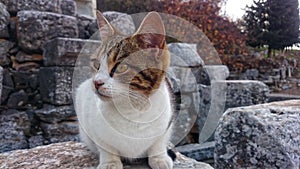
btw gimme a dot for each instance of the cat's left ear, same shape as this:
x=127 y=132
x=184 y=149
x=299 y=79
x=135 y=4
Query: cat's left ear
x=105 y=29
x=152 y=31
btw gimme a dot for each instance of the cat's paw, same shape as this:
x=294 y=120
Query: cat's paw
x=111 y=165
x=160 y=162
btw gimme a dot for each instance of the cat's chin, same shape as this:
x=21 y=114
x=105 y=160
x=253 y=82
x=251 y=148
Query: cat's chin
x=103 y=97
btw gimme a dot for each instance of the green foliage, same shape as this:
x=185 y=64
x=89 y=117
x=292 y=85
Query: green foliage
x=274 y=23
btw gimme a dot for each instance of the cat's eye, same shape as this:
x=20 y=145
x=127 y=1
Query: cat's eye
x=121 y=68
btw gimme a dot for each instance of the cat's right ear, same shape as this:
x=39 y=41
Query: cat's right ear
x=105 y=29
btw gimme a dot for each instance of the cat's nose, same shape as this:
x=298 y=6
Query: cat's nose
x=98 y=84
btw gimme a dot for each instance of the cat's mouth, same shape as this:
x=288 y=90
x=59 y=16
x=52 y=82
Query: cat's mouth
x=103 y=94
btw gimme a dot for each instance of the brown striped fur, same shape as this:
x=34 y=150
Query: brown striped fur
x=145 y=54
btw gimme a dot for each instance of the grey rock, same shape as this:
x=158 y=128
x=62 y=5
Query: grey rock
x=5 y=46
x=46 y=26
x=184 y=55
x=7 y=85
x=65 y=51
x=4 y=21
x=86 y=7
x=260 y=136
x=250 y=74
x=26 y=80
x=87 y=26
x=245 y=93
x=35 y=141
x=14 y=126
x=217 y=72
x=224 y=94
x=59 y=129
x=67 y=7
x=121 y=21
x=199 y=152
x=17 y=99
x=1 y=80
x=56 y=85
x=74 y=155
x=55 y=114
x=187 y=80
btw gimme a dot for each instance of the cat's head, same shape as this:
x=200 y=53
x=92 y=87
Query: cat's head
x=135 y=64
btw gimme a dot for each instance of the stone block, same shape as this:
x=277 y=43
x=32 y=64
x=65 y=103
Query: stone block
x=217 y=72
x=14 y=126
x=224 y=94
x=121 y=21
x=187 y=80
x=245 y=93
x=55 y=114
x=67 y=7
x=77 y=156
x=86 y=7
x=24 y=57
x=199 y=152
x=5 y=46
x=17 y=99
x=46 y=26
x=65 y=51
x=1 y=80
x=4 y=21
x=87 y=26
x=260 y=136
x=59 y=129
x=56 y=85
x=184 y=55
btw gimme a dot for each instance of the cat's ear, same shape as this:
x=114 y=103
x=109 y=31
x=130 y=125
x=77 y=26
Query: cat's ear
x=105 y=29
x=152 y=30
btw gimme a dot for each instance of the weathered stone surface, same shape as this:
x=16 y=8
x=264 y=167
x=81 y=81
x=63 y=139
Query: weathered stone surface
x=59 y=132
x=27 y=66
x=17 y=99
x=65 y=51
x=87 y=7
x=260 y=136
x=4 y=21
x=24 y=57
x=184 y=55
x=74 y=155
x=1 y=80
x=224 y=94
x=27 y=80
x=87 y=26
x=244 y=93
x=123 y=22
x=250 y=74
x=5 y=45
x=7 y=85
x=14 y=126
x=185 y=77
x=46 y=26
x=67 y=7
x=35 y=141
x=56 y=85
x=199 y=152
x=217 y=72
x=54 y=114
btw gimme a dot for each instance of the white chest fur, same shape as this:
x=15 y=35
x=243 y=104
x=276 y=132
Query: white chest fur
x=118 y=126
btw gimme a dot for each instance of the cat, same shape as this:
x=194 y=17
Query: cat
x=125 y=109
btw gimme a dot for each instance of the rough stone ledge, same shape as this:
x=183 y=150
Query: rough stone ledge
x=259 y=136
x=73 y=155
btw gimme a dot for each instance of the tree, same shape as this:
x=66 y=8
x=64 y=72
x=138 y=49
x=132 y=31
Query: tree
x=274 y=23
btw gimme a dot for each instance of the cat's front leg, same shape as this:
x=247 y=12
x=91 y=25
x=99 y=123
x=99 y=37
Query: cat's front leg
x=158 y=157
x=109 y=160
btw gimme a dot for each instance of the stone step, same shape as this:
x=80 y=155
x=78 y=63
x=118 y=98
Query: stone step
x=65 y=51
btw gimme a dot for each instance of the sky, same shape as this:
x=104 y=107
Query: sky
x=234 y=8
